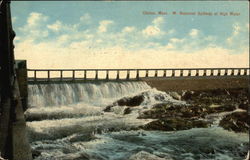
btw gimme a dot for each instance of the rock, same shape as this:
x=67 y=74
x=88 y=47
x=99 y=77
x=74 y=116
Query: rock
x=126 y=101
x=108 y=108
x=127 y=111
x=182 y=111
x=237 y=92
x=162 y=105
x=159 y=97
x=237 y=121
x=173 y=124
x=171 y=116
x=244 y=105
x=175 y=95
x=131 y=101
x=35 y=153
x=217 y=96
x=187 y=95
x=221 y=108
x=81 y=137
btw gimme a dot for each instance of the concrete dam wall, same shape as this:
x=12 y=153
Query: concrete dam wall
x=198 y=83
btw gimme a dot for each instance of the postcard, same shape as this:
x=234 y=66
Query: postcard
x=127 y=80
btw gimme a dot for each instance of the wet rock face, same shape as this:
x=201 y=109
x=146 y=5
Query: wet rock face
x=108 y=108
x=218 y=96
x=175 y=117
x=131 y=101
x=171 y=117
x=175 y=95
x=126 y=101
x=244 y=105
x=173 y=124
x=237 y=121
x=188 y=95
x=127 y=111
x=169 y=110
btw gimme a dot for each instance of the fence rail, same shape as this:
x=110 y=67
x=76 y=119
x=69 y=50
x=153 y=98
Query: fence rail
x=50 y=74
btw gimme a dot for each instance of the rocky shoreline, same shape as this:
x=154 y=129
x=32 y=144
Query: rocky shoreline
x=230 y=106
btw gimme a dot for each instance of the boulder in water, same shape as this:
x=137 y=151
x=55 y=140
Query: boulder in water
x=236 y=121
x=127 y=111
x=175 y=95
x=81 y=137
x=163 y=110
x=126 y=101
x=108 y=108
x=200 y=103
x=244 y=105
x=187 y=95
x=131 y=101
x=173 y=124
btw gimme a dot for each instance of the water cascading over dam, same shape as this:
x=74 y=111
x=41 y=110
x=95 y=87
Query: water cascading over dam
x=83 y=104
x=67 y=121
x=66 y=94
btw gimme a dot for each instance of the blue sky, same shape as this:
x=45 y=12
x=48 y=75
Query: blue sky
x=105 y=32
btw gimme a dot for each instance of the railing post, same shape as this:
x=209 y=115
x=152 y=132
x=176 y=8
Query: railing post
x=118 y=75
x=35 y=75
x=226 y=72
x=137 y=74
x=48 y=75
x=164 y=73
x=85 y=74
x=197 y=73
x=245 y=72
x=107 y=74
x=212 y=72
x=204 y=72
x=96 y=74
x=146 y=73
x=181 y=73
x=128 y=74
x=73 y=75
x=232 y=72
x=61 y=75
x=173 y=72
x=239 y=70
x=219 y=72
x=156 y=73
x=189 y=72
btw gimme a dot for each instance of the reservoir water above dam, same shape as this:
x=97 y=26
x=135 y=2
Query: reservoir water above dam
x=119 y=121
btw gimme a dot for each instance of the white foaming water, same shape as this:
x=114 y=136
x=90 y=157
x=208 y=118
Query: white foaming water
x=57 y=101
x=67 y=122
x=45 y=95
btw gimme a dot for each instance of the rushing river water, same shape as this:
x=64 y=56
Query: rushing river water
x=67 y=122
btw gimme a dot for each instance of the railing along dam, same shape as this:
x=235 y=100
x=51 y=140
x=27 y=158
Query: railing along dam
x=71 y=75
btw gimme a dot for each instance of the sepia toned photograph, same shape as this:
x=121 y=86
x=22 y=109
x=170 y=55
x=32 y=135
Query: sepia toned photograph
x=124 y=80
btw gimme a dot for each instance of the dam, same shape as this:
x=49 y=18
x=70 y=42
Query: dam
x=162 y=79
